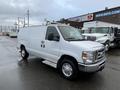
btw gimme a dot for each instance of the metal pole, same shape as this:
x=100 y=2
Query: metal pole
x=24 y=22
x=1 y=28
x=18 y=22
x=28 y=14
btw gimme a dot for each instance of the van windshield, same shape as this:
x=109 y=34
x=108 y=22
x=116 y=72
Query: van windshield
x=97 y=30
x=70 y=34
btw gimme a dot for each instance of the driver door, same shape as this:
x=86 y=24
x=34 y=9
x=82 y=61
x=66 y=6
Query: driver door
x=51 y=49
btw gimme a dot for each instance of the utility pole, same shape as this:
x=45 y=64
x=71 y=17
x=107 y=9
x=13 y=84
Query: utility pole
x=1 y=28
x=18 y=22
x=15 y=25
x=28 y=14
x=24 y=22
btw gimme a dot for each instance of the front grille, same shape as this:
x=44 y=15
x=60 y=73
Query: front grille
x=92 y=38
x=100 y=55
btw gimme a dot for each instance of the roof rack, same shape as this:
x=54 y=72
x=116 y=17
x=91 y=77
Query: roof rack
x=49 y=23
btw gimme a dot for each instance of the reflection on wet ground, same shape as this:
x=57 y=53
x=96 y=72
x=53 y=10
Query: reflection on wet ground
x=32 y=74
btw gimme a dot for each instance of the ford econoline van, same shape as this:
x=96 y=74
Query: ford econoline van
x=62 y=47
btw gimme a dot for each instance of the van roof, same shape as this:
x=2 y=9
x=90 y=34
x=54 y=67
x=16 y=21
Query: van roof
x=52 y=24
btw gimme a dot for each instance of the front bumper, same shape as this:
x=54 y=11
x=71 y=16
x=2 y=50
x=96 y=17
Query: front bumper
x=92 y=67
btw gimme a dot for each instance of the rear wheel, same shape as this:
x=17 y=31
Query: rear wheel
x=68 y=69
x=24 y=53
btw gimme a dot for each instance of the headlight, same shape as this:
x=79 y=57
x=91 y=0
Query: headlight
x=88 y=57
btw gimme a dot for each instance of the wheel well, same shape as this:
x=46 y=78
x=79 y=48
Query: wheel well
x=21 y=46
x=107 y=40
x=68 y=57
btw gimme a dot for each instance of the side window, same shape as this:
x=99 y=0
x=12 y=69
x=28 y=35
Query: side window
x=111 y=30
x=118 y=31
x=51 y=30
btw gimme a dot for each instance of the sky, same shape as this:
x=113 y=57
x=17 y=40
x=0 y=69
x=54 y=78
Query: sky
x=40 y=10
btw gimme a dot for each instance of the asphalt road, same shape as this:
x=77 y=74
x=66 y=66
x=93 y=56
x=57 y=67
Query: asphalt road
x=34 y=75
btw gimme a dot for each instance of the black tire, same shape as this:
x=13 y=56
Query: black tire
x=117 y=43
x=107 y=45
x=24 y=53
x=70 y=63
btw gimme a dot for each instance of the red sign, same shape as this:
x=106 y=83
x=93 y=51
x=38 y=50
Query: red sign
x=90 y=17
x=87 y=17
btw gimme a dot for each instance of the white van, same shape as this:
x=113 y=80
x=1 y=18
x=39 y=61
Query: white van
x=62 y=47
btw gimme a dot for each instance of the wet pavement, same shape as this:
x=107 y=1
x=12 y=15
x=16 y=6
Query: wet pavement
x=34 y=75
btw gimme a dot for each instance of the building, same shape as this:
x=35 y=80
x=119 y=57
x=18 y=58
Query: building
x=111 y=15
x=108 y=15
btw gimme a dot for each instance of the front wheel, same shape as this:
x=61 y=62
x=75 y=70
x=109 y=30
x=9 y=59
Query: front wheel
x=68 y=69
x=107 y=45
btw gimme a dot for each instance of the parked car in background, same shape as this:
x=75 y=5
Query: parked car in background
x=62 y=47
x=12 y=34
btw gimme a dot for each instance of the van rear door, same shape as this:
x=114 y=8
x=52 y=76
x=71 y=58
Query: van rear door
x=36 y=38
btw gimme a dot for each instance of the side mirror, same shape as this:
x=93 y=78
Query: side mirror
x=105 y=35
x=52 y=37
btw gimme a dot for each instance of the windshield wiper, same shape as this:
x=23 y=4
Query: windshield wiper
x=70 y=38
x=73 y=39
x=80 y=39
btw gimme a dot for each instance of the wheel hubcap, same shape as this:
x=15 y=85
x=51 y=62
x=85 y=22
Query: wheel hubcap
x=22 y=53
x=67 y=69
x=106 y=47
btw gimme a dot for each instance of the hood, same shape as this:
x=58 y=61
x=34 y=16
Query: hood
x=95 y=34
x=87 y=45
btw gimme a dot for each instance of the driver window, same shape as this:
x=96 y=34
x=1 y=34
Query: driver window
x=51 y=30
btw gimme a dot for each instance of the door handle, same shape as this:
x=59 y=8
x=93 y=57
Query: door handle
x=43 y=46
